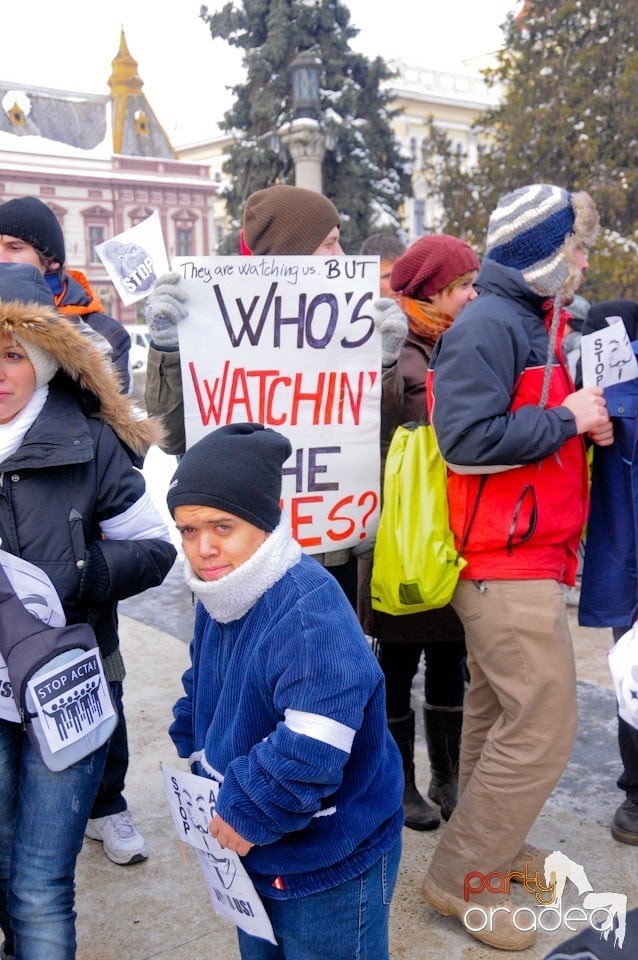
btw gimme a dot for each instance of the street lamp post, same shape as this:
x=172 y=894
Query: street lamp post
x=303 y=135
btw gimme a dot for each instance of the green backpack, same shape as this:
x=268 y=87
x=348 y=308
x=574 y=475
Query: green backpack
x=416 y=565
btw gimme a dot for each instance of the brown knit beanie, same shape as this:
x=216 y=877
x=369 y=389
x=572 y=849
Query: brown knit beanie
x=288 y=220
x=430 y=264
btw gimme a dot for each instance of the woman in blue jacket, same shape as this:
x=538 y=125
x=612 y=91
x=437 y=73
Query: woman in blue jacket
x=72 y=504
x=285 y=707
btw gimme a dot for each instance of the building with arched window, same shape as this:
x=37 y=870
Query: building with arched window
x=103 y=163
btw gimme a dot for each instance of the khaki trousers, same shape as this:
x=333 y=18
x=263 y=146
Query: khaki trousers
x=519 y=722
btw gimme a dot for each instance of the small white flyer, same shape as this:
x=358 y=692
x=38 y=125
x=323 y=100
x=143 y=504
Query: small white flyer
x=607 y=356
x=135 y=258
x=192 y=802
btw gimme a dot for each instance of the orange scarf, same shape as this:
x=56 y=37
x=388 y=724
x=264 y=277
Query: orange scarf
x=424 y=319
x=75 y=309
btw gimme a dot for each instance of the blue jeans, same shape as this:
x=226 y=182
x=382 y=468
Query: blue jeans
x=349 y=922
x=42 y=819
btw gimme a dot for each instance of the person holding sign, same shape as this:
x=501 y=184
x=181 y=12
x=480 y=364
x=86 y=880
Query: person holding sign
x=609 y=589
x=279 y=220
x=510 y=427
x=284 y=707
x=73 y=505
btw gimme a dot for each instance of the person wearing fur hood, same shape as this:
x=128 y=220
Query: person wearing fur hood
x=73 y=504
x=284 y=706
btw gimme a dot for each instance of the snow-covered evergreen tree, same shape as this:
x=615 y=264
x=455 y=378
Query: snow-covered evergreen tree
x=569 y=75
x=363 y=171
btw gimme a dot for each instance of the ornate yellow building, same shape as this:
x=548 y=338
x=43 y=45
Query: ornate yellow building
x=103 y=163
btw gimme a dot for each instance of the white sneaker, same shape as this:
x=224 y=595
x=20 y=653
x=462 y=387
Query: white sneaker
x=123 y=844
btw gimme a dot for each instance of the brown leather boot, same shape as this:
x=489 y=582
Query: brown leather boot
x=497 y=928
x=419 y=815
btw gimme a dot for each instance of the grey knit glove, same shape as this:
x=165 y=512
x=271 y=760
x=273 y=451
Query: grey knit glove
x=390 y=321
x=164 y=309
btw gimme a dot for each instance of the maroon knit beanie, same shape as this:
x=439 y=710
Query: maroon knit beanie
x=430 y=264
x=288 y=220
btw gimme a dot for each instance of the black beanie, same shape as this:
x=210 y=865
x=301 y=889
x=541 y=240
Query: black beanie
x=288 y=220
x=28 y=219
x=235 y=468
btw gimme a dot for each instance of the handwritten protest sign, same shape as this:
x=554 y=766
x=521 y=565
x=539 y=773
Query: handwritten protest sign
x=608 y=356
x=289 y=342
x=192 y=801
x=135 y=258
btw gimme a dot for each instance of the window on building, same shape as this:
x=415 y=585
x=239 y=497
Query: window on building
x=184 y=241
x=97 y=235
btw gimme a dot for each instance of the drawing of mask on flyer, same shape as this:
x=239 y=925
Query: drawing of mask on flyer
x=135 y=258
x=133 y=264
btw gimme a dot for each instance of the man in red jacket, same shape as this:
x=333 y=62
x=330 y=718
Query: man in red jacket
x=510 y=425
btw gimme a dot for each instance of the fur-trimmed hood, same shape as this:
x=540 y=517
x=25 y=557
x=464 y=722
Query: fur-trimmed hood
x=38 y=323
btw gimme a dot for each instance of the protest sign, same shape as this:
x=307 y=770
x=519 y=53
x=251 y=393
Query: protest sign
x=607 y=356
x=289 y=342
x=192 y=801
x=135 y=258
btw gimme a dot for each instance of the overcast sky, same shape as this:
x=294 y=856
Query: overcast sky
x=69 y=45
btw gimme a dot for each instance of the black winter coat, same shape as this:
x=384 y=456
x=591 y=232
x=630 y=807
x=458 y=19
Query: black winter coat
x=70 y=474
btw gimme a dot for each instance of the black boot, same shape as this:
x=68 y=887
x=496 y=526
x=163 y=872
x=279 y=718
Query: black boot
x=419 y=815
x=443 y=737
x=624 y=827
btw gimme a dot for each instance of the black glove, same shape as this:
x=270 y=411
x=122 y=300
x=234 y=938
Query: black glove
x=95 y=582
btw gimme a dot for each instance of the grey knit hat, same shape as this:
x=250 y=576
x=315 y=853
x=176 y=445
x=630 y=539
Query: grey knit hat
x=529 y=228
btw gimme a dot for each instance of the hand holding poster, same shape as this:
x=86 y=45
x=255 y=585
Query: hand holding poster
x=607 y=356
x=135 y=259
x=289 y=342
x=192 y=802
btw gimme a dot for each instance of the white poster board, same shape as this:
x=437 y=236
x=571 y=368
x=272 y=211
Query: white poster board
x=135 y=258
x=289 y=342
x=607 y=356
x=192 y=801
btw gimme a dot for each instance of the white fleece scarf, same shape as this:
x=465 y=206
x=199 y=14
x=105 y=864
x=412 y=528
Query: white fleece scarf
x=13 y=433
x=232 y=596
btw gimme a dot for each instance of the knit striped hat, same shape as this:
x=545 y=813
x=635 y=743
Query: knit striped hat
x=528 y=230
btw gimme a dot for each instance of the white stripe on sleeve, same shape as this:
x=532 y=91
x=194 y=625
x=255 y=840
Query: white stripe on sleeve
x=328 y=731
x=142 y=521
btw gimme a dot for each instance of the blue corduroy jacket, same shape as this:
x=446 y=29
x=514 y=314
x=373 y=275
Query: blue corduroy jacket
x=319 y=814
